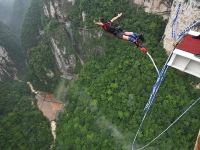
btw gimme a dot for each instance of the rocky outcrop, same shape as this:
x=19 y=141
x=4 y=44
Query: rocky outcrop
x=57 y=8
x=189 y=13
x=162 y=7
x=11 y=55
x=66 y=66
x=64 y=56
x=46 y=12
x=7 y=70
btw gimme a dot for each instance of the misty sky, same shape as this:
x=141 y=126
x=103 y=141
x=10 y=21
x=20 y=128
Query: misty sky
x=5 y=10
x=7 y=2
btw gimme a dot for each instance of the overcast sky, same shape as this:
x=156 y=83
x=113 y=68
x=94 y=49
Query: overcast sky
x=5 y=10
x=6 y=1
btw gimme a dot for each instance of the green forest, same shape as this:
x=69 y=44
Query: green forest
x=22 y=126
x=104 y=102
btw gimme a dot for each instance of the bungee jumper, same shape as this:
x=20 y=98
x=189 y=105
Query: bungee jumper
x=118 y=32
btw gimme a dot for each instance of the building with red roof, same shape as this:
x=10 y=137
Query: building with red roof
x=186 y=56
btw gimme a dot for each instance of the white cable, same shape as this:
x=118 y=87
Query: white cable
x=170 y=124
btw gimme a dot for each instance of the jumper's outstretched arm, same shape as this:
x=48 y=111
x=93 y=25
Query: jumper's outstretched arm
x=98 y=23
x=116 y=17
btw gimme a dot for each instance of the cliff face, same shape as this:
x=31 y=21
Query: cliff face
x=62 y=40
x=11 y=55
x=7 y=69
x=189 y=13
x=161 y=7
x=68 y=43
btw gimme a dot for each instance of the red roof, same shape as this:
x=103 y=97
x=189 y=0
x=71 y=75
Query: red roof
x=189 y=44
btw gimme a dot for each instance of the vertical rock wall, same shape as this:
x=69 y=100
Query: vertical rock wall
x=162 y=7
x=61 y=44
x=6 y=66
x=189 y=13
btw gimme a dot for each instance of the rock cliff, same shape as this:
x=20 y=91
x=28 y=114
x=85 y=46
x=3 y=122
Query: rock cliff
x=7 y=69
x=189 y=13
x=62 y=47
x=161 y=7
x=11 y=55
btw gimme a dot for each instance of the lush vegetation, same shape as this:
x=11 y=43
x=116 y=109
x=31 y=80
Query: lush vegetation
x=12 y=14
x=105 y=104
x=22 y=126
x=30 y=35
x=42 y=69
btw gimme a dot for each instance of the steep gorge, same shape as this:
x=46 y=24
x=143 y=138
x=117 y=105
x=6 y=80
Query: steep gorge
x=105 y=78
x=11 y=54
x=110 y=88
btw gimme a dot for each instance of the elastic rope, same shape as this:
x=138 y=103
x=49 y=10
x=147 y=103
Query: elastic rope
x=158 y=83
x=161 y=77
x=170 y=124
x=153 y=94
x=153 y=63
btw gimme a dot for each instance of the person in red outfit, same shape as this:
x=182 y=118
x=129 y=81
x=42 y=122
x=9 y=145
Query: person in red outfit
x=118 y=32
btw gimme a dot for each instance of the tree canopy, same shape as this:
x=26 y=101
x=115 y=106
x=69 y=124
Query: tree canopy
x=22 y=126
x=106 y=103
